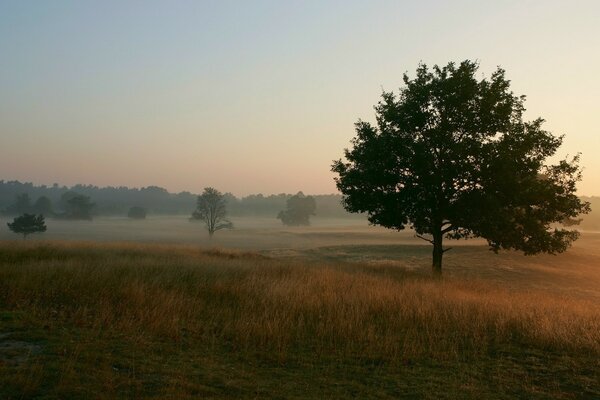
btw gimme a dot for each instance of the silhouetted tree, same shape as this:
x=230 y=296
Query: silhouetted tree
x=137 y=212
x=27 y=224
x=211 y=209
x=77 y=206
x=452 y=157
x=298 y=210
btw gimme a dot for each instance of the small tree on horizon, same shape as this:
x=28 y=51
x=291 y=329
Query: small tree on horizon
x=77 y=206
x=27 y=224
x=211 y=209
x=137 y=212
x=298 y=210
x=452 y=157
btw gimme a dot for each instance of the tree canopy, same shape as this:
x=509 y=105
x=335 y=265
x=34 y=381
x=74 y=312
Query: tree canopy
x=211 y=208
x=451 y=156
x=27 y=224
x=298 y=210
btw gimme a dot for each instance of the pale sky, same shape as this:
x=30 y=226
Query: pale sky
x=261 y=96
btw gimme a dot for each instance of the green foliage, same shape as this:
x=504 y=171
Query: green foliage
x=137 y=212
x=298 y=210
x=452 y=157
x=27 y=224
x=211 y=209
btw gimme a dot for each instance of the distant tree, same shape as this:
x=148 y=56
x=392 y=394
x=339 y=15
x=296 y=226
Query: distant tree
x=452 y=157
x=298 y=210
x=43 y=206
x=117 y=200
x=77 y=206
x=211 y=209
x=23 y=203
x=27 y=224
x=137 y=212
x=65 y=197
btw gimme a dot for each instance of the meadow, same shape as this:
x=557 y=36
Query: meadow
x=336 y=310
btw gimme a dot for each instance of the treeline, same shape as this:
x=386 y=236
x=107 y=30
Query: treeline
x=18 y=197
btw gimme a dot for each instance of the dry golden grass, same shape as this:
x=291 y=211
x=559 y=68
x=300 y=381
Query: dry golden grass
x=255 y=303
x=109 y=316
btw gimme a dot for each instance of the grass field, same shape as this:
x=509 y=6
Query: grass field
x=251 y=233
x=333 y=311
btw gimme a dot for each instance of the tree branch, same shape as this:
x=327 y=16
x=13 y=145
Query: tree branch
x=448 y=229
x=448 y=249
x=425 y=239
x=224 y=225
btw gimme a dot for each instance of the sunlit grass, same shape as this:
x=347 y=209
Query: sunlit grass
x=254 y=307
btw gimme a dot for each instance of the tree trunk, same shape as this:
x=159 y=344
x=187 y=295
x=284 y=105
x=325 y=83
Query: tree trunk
x=438 y=253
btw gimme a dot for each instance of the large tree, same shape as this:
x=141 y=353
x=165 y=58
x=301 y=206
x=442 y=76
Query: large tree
x=451 y=156
x=211 y=208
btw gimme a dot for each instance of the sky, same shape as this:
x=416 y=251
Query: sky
x=261 y=96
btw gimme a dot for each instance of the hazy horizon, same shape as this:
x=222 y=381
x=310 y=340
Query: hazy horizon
x=61 y=185
x=261 y=97
x=238 y=195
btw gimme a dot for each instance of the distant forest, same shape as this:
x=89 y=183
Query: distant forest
x=117 y=201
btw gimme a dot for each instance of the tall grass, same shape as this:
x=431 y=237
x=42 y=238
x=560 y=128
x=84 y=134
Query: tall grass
x=252 y=303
